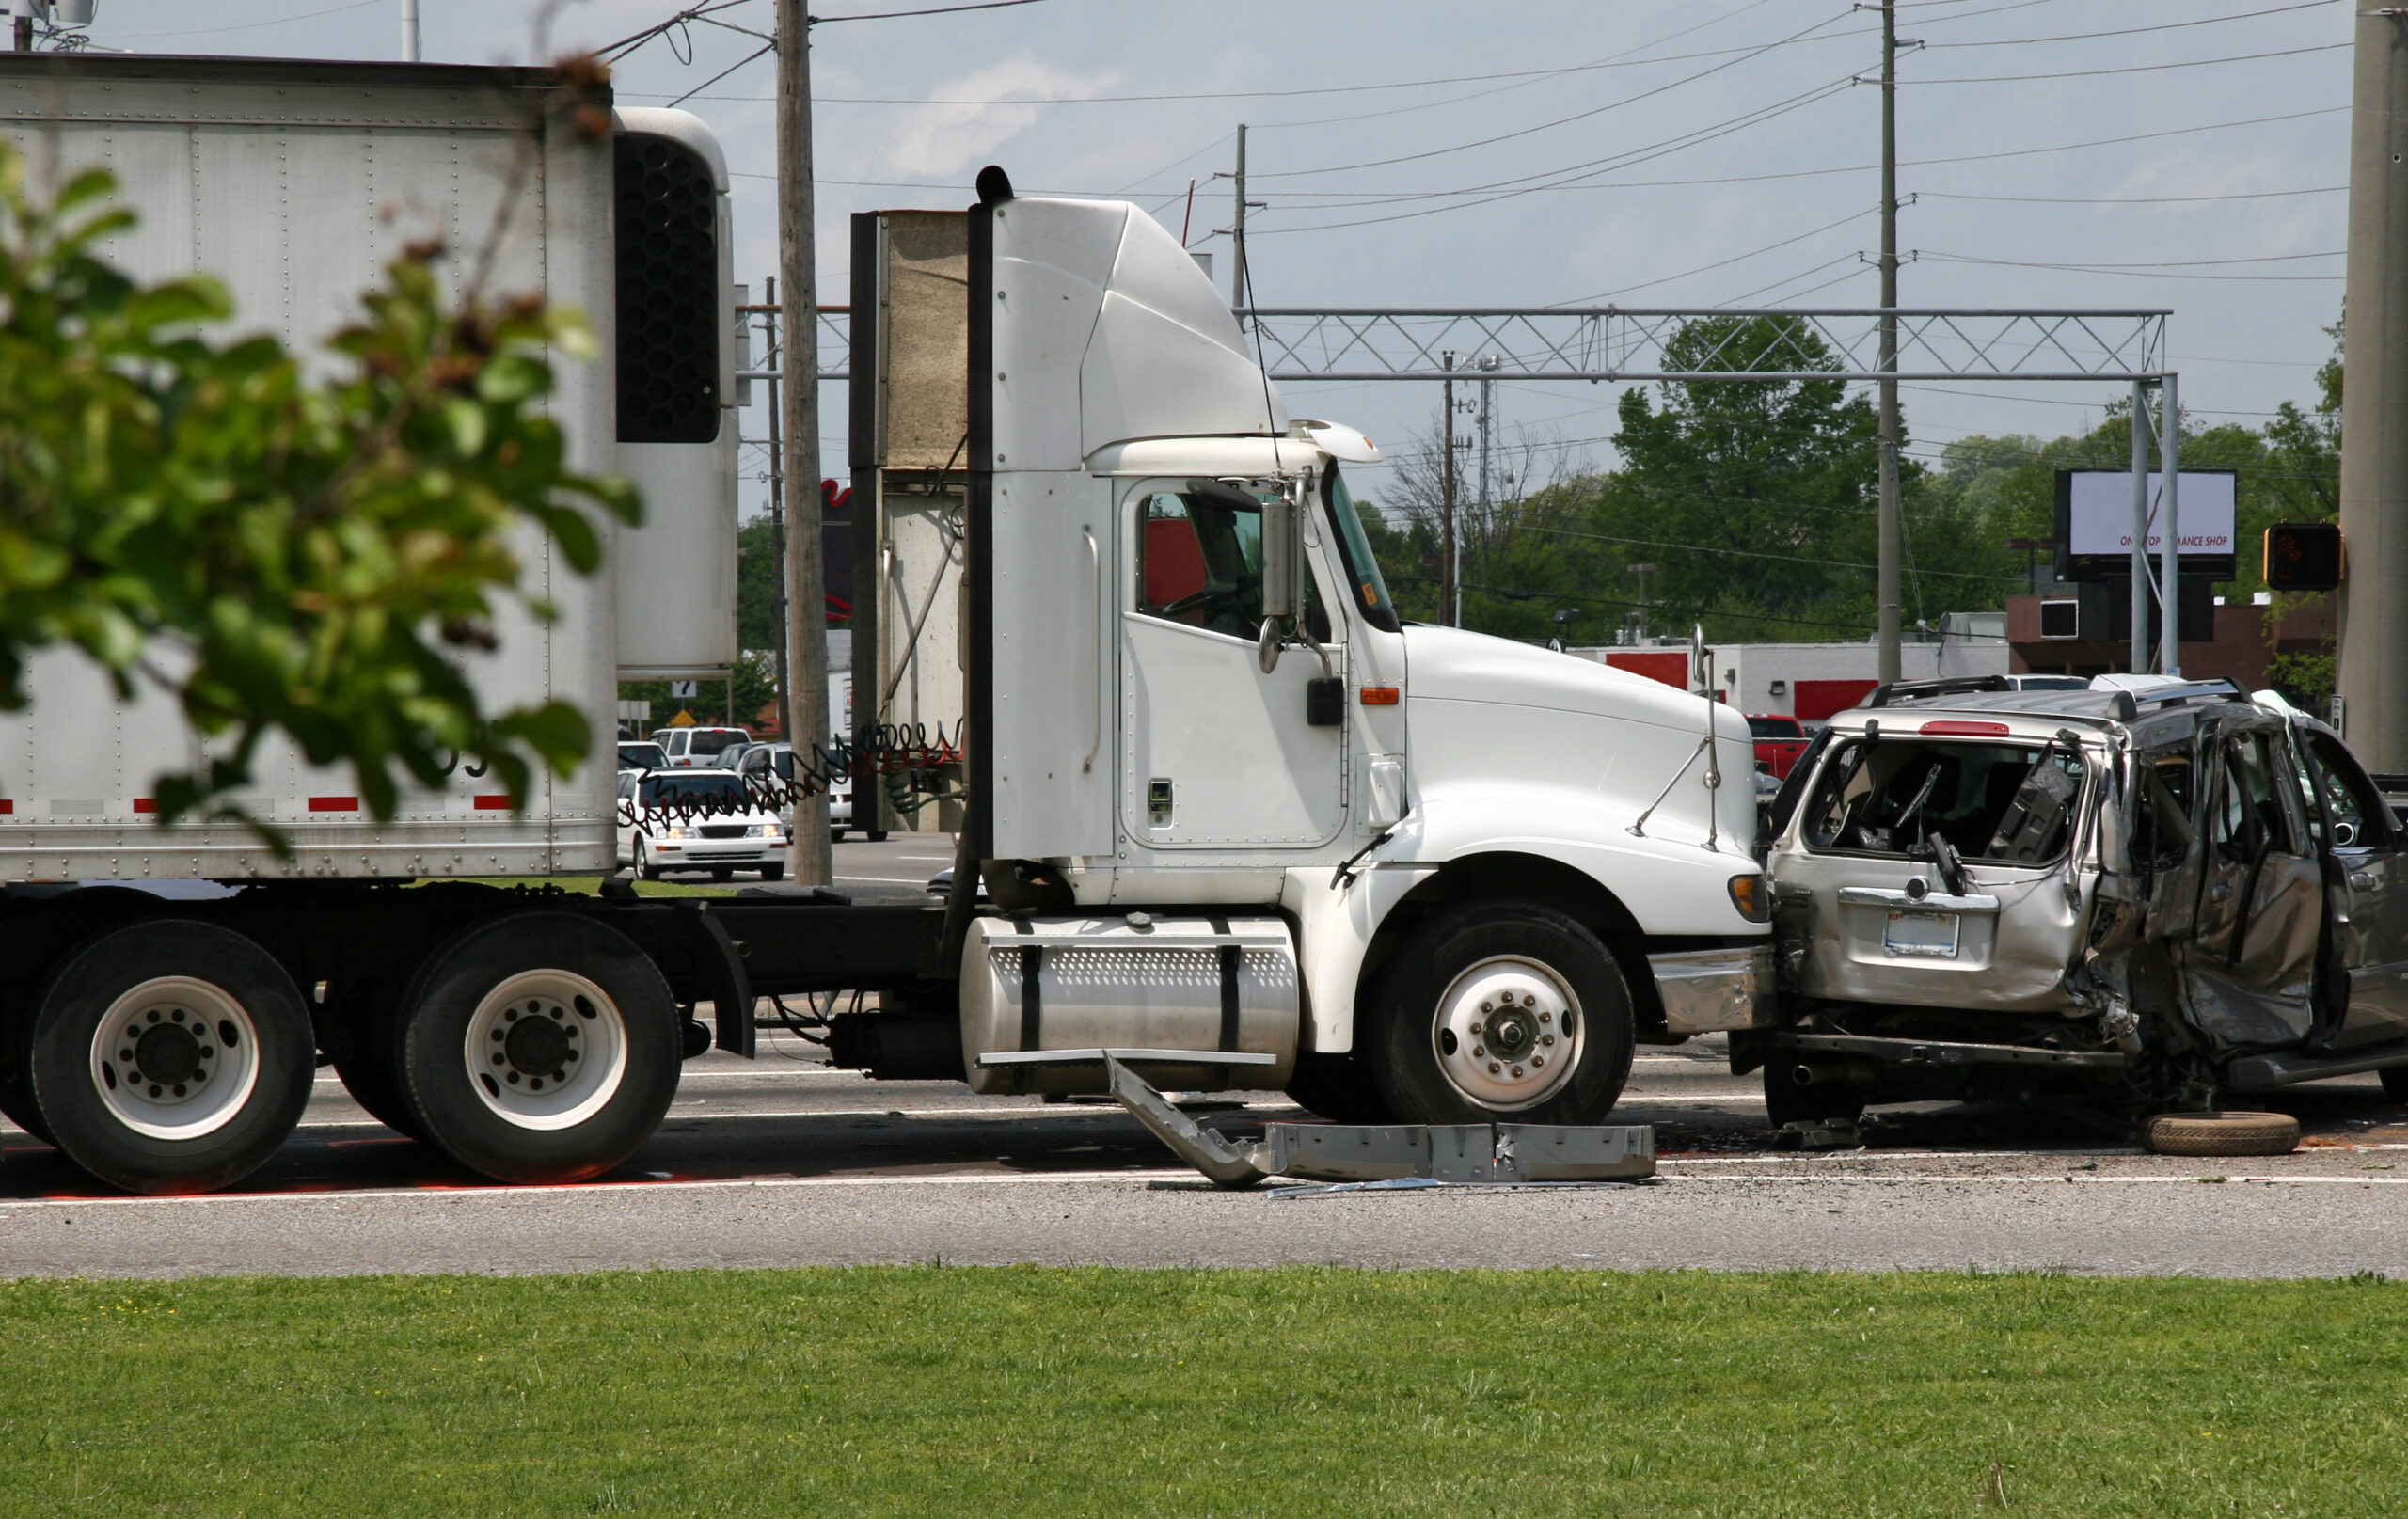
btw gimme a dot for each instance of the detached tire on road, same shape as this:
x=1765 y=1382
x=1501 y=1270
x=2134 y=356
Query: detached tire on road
x=1500 y=1010
x=539 y=1048
x=170 y=1057
x=2222 y=1134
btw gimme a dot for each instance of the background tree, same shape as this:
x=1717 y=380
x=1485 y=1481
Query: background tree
x=318 y=561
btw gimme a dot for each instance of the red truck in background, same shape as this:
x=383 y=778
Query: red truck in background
x=1779 y=742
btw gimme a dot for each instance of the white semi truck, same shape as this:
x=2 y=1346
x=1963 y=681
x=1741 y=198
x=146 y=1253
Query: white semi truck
x=1241 y=825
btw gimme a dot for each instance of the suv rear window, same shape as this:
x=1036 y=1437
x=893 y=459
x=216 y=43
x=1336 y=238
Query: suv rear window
x=711 y=740
x=2009 y=803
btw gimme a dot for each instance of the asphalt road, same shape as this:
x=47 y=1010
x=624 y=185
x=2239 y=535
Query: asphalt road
x=788 y=1162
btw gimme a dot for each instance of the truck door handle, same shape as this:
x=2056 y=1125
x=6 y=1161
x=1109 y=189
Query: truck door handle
x=2219 y=891
x=2361 y=882
x=1095 y=709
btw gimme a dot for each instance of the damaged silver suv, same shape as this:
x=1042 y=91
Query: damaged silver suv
x=2143 y=897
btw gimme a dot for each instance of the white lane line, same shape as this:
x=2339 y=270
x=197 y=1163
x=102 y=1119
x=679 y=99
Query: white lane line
x=2038 y=1179
x=952 y=1180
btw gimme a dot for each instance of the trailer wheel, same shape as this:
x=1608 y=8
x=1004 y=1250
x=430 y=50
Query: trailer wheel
x=1497 y=1009
x=16 y=1076
x=370 y=1059
x=170 y=1057
x=539 y=1048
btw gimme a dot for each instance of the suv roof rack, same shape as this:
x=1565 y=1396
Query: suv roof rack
x=2220 y=687
x=1916 y=690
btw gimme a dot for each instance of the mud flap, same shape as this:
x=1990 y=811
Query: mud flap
x=723 y=973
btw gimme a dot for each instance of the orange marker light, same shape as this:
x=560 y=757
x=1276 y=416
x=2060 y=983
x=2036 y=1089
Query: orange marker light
x=1381 y=696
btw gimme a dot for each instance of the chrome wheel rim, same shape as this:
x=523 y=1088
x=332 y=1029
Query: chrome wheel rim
x=545 y=1049
x=1508 y=1033
x=175 y=1058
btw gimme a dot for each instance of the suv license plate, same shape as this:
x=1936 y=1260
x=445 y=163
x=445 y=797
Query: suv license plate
x=1930 y=935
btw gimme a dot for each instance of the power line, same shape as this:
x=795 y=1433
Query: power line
x=939 y=10
x=2133 y=199
x=251 y=25
x=1545 y=126
x=2134 y=68
x=1737 y=258
x=2139 y=271
x=2132 y=31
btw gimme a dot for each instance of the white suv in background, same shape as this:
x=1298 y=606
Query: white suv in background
x=690 y=747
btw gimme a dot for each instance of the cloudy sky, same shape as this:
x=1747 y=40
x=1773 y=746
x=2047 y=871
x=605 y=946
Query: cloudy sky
x=1691 y=153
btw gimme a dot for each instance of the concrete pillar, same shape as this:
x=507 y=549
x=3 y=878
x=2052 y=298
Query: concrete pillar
x=2374 y=411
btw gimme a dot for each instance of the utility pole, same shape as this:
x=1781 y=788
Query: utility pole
x=1449 y=595
x=21 y=12
x=809 y=857
x=777 y=509
x=1237 y=231
x=2169 y=560
x=2373 y=685
x=409 y=31
x=1486 y=518
x=1891 y=528
x=2140 y=528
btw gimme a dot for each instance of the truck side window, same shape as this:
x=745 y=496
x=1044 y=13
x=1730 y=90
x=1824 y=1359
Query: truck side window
x=2358 y=820
x=1199 y=561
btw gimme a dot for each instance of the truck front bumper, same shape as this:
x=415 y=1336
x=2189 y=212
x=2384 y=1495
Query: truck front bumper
x=1709 y=990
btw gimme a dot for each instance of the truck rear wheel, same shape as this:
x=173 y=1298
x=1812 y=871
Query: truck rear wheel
x=170 y=1057
x=539 y=1048
x=1501 y=1010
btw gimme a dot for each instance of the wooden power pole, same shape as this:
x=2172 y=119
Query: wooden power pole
x=810 y=856
x=1892 y=525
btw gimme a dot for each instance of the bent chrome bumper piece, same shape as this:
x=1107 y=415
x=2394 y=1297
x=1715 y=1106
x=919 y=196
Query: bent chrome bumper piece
x=1707 y=990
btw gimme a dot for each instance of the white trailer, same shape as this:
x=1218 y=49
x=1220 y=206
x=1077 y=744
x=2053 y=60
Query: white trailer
x=1241 y=825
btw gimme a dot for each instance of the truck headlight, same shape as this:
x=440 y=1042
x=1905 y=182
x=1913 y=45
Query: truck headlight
x=1753 y=896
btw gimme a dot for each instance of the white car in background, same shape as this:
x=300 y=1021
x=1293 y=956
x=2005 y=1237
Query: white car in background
x=759 y=759
x=696 y=820
x=642 y=755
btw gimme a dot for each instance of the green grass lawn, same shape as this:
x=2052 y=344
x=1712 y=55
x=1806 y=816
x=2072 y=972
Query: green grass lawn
x=995 y=1392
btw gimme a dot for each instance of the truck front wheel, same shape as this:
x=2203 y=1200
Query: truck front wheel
x=1501 y=1010
x=170 y=1057
x=539 y=1048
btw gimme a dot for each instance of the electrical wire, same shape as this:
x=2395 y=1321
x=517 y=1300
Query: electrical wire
x=758 y=53
x=1546 y=126
x=939 y=10
x=2142 y=271
x=2134 y=31
x=2131 y=199
x=1737 y=258
x=253 y=26
x=2134 y=68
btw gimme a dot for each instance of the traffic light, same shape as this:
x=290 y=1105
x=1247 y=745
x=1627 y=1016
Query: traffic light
x=2302 y=556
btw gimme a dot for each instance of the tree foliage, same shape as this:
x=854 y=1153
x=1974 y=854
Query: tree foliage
x=284 y=557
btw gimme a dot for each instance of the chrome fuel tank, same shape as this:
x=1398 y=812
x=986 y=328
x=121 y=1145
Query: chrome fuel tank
x=1179 y=987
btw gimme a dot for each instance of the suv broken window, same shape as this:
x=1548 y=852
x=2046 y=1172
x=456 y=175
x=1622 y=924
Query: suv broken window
x=2008 y=803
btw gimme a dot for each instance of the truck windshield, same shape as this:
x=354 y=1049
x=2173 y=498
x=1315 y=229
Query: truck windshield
x=2009 y=803
x=1355 y=547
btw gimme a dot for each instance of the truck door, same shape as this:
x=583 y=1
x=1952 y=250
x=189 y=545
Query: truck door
x=1217 y=754
x=2249 y=961
x=2371 y=896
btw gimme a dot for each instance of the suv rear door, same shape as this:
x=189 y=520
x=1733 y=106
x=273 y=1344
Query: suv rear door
x=1864 y=906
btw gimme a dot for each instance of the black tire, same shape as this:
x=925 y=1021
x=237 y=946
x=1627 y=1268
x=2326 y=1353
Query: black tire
x=1340 y=1088
x=2394 y=1082
x=2221 y=1133
x=773 y=872
x=16 y=1072
x=874 y=835
x=1786 y=1103
x=1535 y=951
x=644 y=867
x=575 y=975
x=836 y=836
x=722 y=872
x=187 y=987
x=368 y=1056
